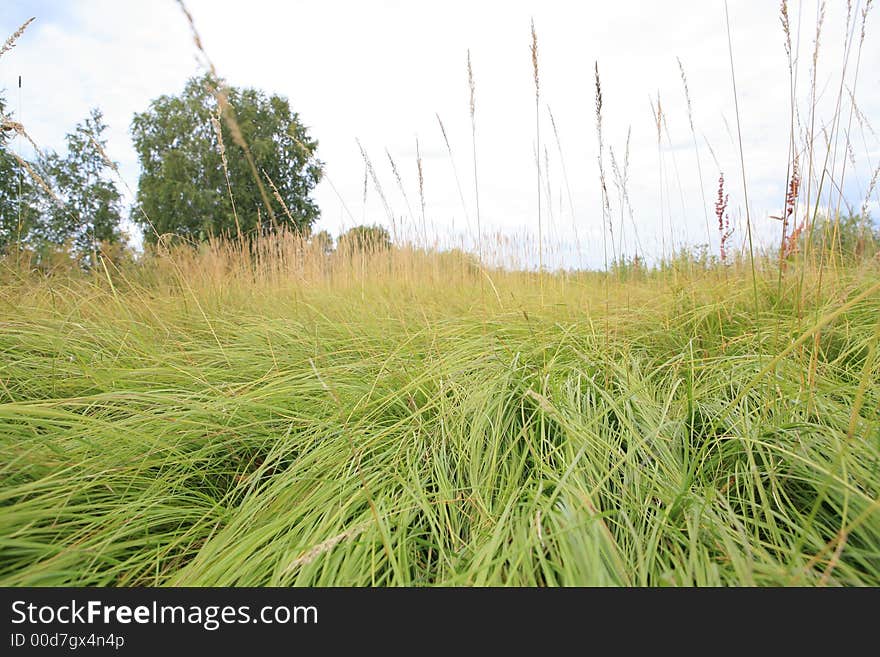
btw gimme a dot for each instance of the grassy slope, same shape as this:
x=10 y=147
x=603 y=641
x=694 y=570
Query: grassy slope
x=216 y=432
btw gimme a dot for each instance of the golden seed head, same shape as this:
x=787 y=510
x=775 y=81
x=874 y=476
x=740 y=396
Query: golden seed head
x=9 y=44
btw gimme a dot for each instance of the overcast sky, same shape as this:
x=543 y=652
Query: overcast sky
x=379 y=71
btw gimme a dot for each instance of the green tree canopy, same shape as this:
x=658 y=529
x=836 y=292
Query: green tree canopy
x=323 y=240
x=850 y=235
x=183 y=186
x=74 y=205
x=87 y=209
x=365 y=238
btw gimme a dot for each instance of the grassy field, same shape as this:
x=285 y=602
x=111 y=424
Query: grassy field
x=405 y=419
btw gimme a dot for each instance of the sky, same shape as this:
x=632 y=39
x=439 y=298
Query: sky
x=382 y=71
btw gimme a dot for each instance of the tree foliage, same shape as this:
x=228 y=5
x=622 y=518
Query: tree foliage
x=75 y=206
x=365 y=238
x=17 y=213
x=183 y=186
x=850 y=236
x=87 y=209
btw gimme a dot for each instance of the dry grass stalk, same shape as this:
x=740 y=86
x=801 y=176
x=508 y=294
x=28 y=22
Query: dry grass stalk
x=400 y=183
x=565 y=180
x=421 y=191
x=323 y=383
x=548 y=186
x=657 y=113
x=221 y=147
x=106 y=158
x=9 y=44
x=621 y=181
x=690 y=113
x=712 y=153
x=534 y=51
x=865 y=11
x=38 y=179
x=228 y=114
x=786 y=28
x=364 y=199
x=658 y=119
x=606 y=205
x=850 y=152
x=870 y=191
x=537 y=80
x=864 y=228
x=810 y=132
x=672 y=156
x=325 y=546
x=826 y=137
x=687 y=95
x=471 y=85
x=218 y=132
x=538 y=528
x=742 y=162
x=280 y=200
x=618 y=176
x=819 y=22
x=454 y=170
x=326 y=176
x=473 y=109
x=115 y=168
x=378 y=187
x=836 y=128
x=18 y=128
x=197 y=39
x=835 y=558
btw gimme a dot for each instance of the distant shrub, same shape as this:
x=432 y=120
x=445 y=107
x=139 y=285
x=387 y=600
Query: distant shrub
x=365 y=238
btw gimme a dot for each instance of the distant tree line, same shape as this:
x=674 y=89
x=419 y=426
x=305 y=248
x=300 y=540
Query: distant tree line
x=215 y=161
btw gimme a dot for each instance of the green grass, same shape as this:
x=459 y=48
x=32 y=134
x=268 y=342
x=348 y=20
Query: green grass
x=418 y=429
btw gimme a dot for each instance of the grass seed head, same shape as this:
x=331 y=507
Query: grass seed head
x=534 y=50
